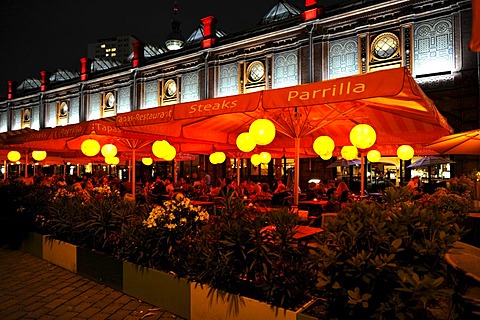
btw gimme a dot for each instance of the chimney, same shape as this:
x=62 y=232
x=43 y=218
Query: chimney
x=86 y=64
x=311 y=11
x=138 y=55
x=45 y=80
x=209 y=31
x=12 y=88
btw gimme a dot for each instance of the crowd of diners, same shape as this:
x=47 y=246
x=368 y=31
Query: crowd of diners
x=335 y=193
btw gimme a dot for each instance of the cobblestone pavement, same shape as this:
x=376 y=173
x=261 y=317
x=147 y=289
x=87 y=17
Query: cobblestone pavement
x=31 y=288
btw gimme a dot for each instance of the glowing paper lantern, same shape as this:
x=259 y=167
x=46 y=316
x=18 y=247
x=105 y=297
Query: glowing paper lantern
x=147 y=161
x=245 y=142
x=109 y=150
x=363 y=136
x=159 y=148
x=405 y=152
x=171 y=153
x=90 y=147
x=213 y=158
x=39 y=155
x=14 y=156
x=323 y=145
x=263 y=131
x=374 y=156
x=255 y=159
x=221 y=157
x=115 y=160
x=326 y=156
x=265 y=157
x=349 y=152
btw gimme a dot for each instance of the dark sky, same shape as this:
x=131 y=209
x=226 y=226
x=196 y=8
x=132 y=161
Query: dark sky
x=54 y=34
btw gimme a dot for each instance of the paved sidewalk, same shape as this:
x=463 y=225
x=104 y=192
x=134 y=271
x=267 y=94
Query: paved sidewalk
x=31 y=288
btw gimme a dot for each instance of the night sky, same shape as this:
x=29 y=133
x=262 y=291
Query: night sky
x=54 y=34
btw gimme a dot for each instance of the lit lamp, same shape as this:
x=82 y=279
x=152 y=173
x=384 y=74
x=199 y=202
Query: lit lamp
x=39 y=155
x=109 y=150
x=114 y=160
x=213 y=158
x=171 y=153
x=147 y=161
x=263 y=131
x=90 y=147
x=374 y=156
x=221 y=157
x=323 y=145
x=349 y=152
x=326 y=156
x=265 y=157
x=405 y=152
x=363 y=136
x=14 y=156
x=255 y=159
x=245 y=142
x=159 y=148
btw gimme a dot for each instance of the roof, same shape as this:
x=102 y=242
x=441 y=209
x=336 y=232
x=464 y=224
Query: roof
x=281 y=11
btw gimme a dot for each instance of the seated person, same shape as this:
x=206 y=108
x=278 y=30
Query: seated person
x=263 y=194
x=279 y=196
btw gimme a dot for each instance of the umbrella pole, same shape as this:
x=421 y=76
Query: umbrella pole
x=133 y=172
x=362 y=173
x=5 y=174
x=296 y=180
x=26 y=165
x=238 y=171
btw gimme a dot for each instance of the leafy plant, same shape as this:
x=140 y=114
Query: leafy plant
x=385 y=261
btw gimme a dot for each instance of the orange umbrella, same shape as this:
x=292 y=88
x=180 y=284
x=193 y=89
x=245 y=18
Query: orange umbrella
x=467 y=142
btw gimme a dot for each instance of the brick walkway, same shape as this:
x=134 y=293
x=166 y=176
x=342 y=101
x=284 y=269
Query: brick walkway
x=31 y=288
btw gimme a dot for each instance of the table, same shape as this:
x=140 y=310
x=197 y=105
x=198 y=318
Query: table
x=302 y=232
x=202 y=203
x=313 y=202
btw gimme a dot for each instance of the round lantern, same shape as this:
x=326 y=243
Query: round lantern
x=374 y=155
x=221 y=157
x=39 y=155
x=109 y=150
x=147 y=161
x=109 y=160
x=159 y=148
x=265 y=157
x=245 y=142
x=90 y=147
x=323 y=145
x=349 y=152
x=405 y=152
x=213 y=158
x=363 y=136
x=171 y=153
x=263 y=131
x=14 y=156
x=255 y=159
x=112 y=160
x=326 y=156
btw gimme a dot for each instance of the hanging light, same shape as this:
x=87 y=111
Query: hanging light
x=245 y=142
x=171 y=153
x=147 y=161
x=109 y=150
x=326 y=156
x=14 y=156
x=221 y=157
x=255 y=159
x=108 y=160
x=323 y=145
x=39 y=155
x=374 y=155
x=90 y=147
x=405 y=152
x=263 y=131
x=159 y=148
x=213 y=158
x=363 y=136
x=112 y=160
x=265 y=157
x=349 y=152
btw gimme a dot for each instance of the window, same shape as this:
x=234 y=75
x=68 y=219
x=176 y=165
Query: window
x=385 y=46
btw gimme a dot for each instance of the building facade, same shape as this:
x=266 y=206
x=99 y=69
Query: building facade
x=290 y=46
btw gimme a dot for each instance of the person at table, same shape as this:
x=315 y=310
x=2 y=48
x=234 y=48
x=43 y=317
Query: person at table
x=215 y=190
x=263 y=194
x=279 y=196
x=229 y=188
x=201 y=188
x=280 y=187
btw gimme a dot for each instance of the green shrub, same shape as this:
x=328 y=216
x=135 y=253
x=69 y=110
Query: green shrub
x=385 y=261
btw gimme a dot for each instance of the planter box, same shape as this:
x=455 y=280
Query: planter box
x=100 y=268
x=61 y=253
x=158 y=288
x=219 y=306
x=33 y=245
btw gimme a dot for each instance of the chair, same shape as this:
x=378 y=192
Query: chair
x=218 y=204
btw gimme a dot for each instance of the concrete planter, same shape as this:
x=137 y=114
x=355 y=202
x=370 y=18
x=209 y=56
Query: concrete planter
x=216 y=305
x=33 y=244
x=61 y=253
x=100 y=268
x=158 y=288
